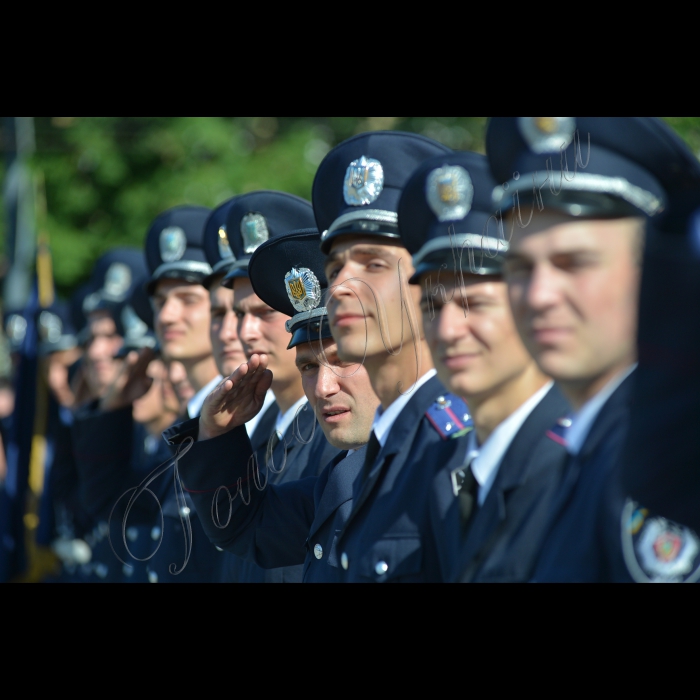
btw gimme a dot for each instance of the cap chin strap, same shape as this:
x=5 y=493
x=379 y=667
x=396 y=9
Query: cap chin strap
x=184 y=266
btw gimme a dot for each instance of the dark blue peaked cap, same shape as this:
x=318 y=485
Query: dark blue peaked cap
x=445 y=211
x=279 y=272
x=217 y=248
x=55 y=328
x=174 y=246
x=259 y=216
x=638 y=165
x=359 y=183
x=114 y=278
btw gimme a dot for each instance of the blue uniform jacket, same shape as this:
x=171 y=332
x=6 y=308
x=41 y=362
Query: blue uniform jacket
x=504 y=537
x=388 y=535
x=208 y=465
x=109 y=465
x=584 y=543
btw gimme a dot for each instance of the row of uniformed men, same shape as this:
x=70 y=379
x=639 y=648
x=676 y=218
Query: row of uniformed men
x=499 y=350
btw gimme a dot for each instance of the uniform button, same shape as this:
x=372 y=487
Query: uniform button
x=318 y=551
x=381 y=568
x=345 y=562
x=156 y=532
x=218 y=549
x=185 y=511
x=449 y=427
x=152 y=577
x=467 y=418
x=132 y=534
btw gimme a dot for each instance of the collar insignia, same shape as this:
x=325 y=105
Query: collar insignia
x=254 y=231
x=224 y=246
x=450 y=193
x=173 y=244
x=303 y=289
x=547 y=134
x=364 y=182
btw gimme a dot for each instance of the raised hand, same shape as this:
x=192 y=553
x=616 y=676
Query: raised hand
x=132 y=382
x=236 y=400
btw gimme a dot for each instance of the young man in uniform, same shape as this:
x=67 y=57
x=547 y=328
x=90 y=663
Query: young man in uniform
x=251 y=220
x=573 y=272
x=296 y=521
x=490 y=513
x=375 y=320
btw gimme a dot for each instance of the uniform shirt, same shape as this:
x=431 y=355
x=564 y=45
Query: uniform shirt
x=194 y=407
x=583 y=421
x=486 y=460
x=284 y=421
x=251 y=425
x=384 y=420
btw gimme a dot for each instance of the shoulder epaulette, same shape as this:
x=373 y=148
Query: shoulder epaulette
x=559 y=431
x=450 y=416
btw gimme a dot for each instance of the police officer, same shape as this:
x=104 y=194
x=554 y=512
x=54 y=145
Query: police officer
x=272 y=525
x=375 y=319
x=491 y=512
x=573 y=272
x=252 y=219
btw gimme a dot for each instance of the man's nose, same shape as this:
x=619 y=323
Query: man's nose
x=327 y=382
x=249 y=329
x=229 y=327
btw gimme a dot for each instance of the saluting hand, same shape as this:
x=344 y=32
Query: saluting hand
x=236 y=400
x=132 y=382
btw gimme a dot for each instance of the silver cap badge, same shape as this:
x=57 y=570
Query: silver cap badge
x=364 y=182
x=450 y=193
x=50 y=327
x=135 y=328
x=117 y=281
x=303 y=289
x=547 y=134
x=254 y=231
x=173 y=244
x=16 y=328
x=224 y=246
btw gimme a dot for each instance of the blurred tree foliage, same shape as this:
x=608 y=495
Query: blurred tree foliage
x=107 y=178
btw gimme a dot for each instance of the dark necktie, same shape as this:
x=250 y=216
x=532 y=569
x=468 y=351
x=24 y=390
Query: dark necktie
x=373 y=449
x=467 y=488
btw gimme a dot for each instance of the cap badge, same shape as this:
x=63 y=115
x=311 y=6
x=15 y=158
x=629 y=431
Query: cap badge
x=135 y=328
x=364 y=182
x=16 y=328
x=547 y=134
x=658 y=550
x=173 y=244
x=303 y=289
x=450 y=193
x=50 y=327
x=254 y=231
x=117 y=280
x=224 y=246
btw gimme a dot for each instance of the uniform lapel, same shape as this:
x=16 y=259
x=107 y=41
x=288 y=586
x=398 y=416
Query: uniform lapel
x=616 y=406
x=401 y=434
x=339 y=487
x=264 y=428
x=518 y=462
